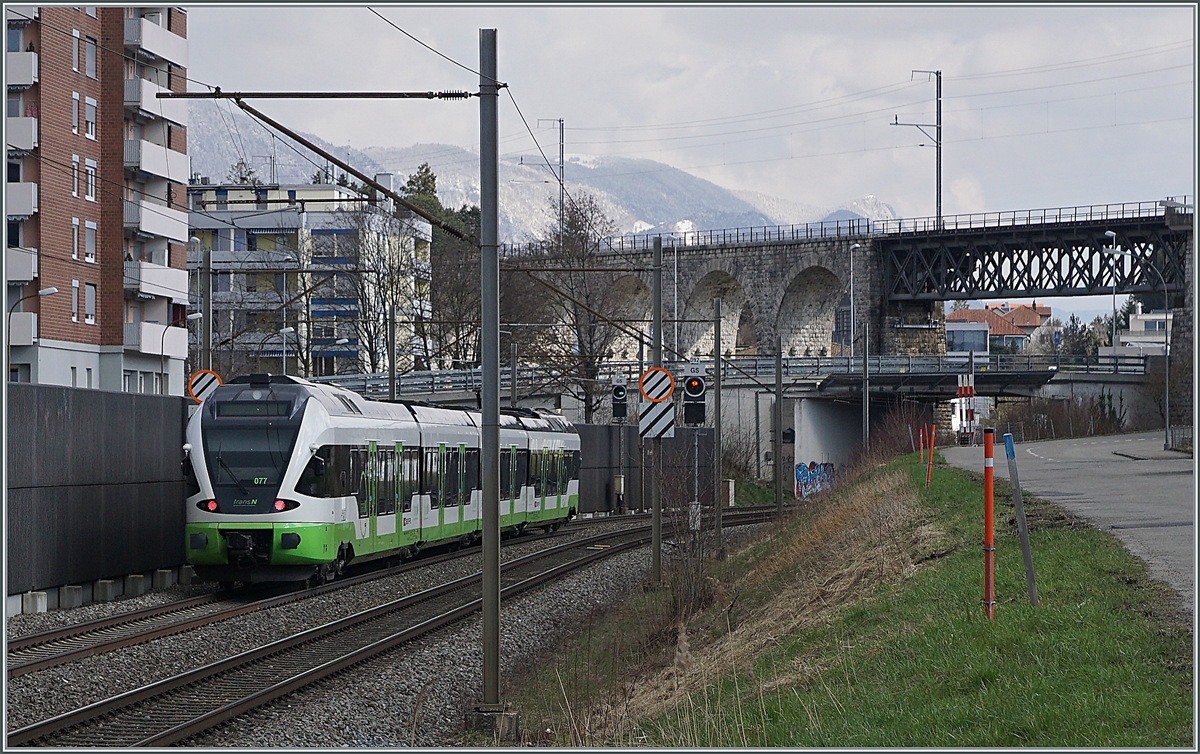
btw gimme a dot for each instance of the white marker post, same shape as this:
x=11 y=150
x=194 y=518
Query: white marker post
x=1022 y=529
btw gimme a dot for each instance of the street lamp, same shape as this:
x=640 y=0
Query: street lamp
x=853 y=246
x=43 y=292
x=1112 y=244
x=1166 y=340
x=283 y=331
x=162 y=347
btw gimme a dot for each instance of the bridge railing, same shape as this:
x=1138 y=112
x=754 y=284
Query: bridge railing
x=735 y=370
x=862 y=227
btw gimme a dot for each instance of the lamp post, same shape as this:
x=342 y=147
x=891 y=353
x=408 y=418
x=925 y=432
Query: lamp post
x=1112 y=241
x=853 y=246
x=43 y=292
x=162 y=347
x=1166 y=339
x=283 y=331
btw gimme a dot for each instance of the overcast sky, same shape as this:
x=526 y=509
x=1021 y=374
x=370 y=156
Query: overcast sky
x=1042 y=106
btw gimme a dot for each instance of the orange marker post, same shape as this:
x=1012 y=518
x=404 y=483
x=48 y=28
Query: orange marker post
x=929 y=466
x=989 y=544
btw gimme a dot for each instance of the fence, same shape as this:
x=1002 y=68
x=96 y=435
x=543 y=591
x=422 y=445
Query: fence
x=602 y=447
x=94 y=484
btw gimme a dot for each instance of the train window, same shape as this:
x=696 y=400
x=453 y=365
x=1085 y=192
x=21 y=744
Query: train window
x=536 y=464
x=432 y=476
x=473 y=477
x=506 y=474
x=254 y=408
x=453 y=476
x=387 y=482
x=521 y=477
x=407 y=483
x=358 y=479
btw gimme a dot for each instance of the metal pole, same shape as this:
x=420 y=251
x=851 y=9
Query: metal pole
x=778 y=422
x=866 y=428
x=939 y=149
x=718 y=482
x=1166 y=363
x=851 y=302
x=562 y=186
x=1022 y=528
x=512 y=371
x=490 y=342
x=656 y=443
x=391 y=351
x=206 y=307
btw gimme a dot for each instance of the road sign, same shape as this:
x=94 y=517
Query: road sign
x=656 y=384
x=657 y=419
x=202 y=383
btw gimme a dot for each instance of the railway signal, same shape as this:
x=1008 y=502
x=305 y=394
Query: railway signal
x=694 y=389
x=620 y=402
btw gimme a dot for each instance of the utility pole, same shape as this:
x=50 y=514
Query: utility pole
x=512 y=371
x=778 y=424
x=655 y=442
x=718 y=482
x=490 y=394
x=866 y=419
x=206 y=306
x=937 y=138
x=562 y=183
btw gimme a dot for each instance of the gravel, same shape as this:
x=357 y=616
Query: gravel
x=415 y=695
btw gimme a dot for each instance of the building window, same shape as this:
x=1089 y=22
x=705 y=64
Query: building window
x=90 y=59
x=74 y=300
x=74 y=378
x=74 y=112
x=75 y=50
x=127 y=380
x=74 y=175
x=14 y=172
x=89 y=182
x=74 y=238
x=89 y=249
x=14 y=233
x=14 y=105
x=90 y=10
x=89 y=303
x=14 y=39
x=88 y=374
x=89 y=118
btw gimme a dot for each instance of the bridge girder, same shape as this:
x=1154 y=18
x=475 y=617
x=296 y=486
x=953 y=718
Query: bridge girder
x=1056 y=260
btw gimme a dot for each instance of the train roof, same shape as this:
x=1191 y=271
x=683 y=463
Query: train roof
x=339 y=401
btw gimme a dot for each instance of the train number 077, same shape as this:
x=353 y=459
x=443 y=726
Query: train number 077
x=260 y=480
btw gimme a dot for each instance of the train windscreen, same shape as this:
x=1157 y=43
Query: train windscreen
x=246 y=464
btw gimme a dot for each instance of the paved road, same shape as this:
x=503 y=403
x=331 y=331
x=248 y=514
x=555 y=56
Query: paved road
x=1123 y=483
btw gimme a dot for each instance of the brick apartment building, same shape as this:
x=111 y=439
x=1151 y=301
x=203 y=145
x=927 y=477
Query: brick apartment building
x=96 y=197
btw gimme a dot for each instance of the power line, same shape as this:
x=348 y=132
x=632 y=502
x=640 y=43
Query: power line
x=435 y=52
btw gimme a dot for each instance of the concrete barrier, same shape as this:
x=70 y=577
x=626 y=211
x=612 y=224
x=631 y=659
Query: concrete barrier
x=104 y=590
x=70 y=596
x=162 y=579
x=33 y=602
x=136 y=585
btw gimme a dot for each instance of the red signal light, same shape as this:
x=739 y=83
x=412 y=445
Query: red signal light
x=280 y=505
x=211 y=505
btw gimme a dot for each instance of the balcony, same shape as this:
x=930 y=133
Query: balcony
x=21 y=265
x=155 y=220
x=155 y=280
x=155 y=41
x=20 y=200
x=156 y=340
x=20 y=69
x=23 y=330
x=140 y=95
x=21 y=134
x=156 y=159
x=19 y=15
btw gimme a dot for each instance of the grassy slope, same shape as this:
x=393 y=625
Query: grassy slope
x=859 y=623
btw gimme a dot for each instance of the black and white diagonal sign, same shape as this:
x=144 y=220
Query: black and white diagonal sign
x=657 y=419
x=656 y=384
x=202 y=383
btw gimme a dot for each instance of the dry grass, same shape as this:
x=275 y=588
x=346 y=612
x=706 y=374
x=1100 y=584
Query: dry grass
x=846 y=545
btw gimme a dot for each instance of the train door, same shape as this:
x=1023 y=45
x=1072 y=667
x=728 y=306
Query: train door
x=408 y=509
x=372 y=485
x=385 y=498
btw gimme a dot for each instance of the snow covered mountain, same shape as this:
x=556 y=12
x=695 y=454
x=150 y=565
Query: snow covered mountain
x=639 y=195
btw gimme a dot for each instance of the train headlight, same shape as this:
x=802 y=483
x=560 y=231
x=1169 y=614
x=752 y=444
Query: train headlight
x=207 y=505
x=285 y=505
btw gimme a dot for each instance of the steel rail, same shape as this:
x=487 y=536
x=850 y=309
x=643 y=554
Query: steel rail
x=107 y=713
x=48 y=649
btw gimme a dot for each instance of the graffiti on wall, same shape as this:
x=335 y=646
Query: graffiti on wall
x=813 y=478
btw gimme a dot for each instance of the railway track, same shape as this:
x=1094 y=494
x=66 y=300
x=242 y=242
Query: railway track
x=48 y=649
x=175 y=708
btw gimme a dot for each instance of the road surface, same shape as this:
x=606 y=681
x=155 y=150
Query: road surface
x=1126 y=484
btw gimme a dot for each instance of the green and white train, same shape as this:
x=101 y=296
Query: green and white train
x=290 y=480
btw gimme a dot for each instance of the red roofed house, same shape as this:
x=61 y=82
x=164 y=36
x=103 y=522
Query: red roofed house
x=983 y=331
